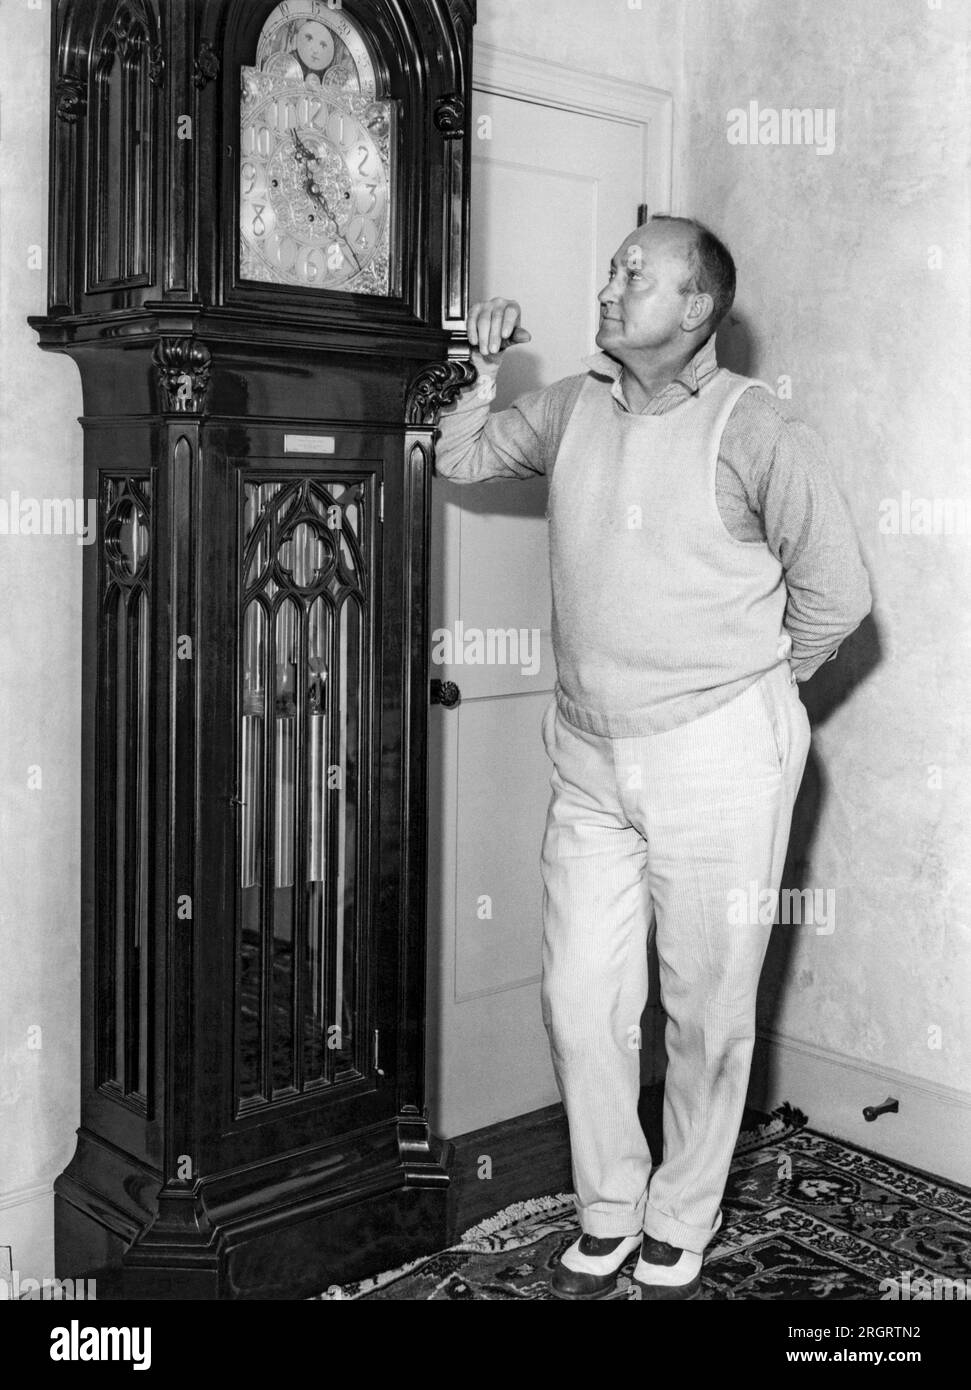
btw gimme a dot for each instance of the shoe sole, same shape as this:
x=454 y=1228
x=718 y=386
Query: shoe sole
x=655 y=1293
x=584 y=1297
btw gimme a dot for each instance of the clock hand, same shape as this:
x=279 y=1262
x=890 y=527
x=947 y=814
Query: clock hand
x=314 y=193
x=307 y=158
x=350 y=250
x=312 y=189
x=302 y=151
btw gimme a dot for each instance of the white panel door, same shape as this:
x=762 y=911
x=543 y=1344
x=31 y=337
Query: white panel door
x=554 y=192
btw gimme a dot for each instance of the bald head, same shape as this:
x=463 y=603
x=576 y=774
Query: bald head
x=708 y=264
x=671 y=237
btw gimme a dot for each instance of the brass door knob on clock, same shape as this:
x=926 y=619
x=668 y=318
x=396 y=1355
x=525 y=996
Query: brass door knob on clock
x=445 y=693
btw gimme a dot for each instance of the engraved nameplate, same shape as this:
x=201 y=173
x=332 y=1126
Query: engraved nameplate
x=308 y=444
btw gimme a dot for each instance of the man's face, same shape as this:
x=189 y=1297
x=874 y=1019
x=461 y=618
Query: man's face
x=315 y=46
x=642 y=305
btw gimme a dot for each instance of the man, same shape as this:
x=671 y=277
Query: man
x=702 y=562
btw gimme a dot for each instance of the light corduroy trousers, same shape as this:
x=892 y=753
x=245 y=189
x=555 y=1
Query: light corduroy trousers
x=663 y=833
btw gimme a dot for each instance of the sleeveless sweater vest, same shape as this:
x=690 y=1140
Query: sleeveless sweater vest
x=659 y=613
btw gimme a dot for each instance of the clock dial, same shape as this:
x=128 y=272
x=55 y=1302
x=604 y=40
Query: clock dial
x=315 y=186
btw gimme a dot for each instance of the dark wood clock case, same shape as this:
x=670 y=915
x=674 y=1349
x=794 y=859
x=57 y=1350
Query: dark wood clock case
x=254 y=665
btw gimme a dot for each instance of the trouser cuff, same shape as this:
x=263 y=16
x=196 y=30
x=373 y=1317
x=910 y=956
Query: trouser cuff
x=609 y=1223
x=678 y=1233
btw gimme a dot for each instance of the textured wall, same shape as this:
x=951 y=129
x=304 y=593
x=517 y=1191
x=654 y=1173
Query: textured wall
x=842 y=290
x=40 y=676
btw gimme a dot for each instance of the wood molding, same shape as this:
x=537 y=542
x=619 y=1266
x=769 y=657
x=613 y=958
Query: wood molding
x=930 y=1131
x=21 y=1196
x=508 y=74
x=529 y=1156
x=27 y=1228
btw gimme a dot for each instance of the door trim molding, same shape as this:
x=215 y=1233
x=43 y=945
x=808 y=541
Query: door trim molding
x=504 y=73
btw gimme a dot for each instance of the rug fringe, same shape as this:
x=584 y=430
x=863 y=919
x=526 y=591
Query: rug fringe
x=785 y=1119
x=348 y=1293
x=518 y=1211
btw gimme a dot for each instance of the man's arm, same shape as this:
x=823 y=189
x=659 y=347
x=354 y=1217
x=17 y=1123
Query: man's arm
x=809 y=529
x=474 y=444
x=477 y=444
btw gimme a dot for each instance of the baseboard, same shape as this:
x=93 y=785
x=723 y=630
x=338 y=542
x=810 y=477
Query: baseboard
x=27 y=1227
x=527 y=1156
x=931 y=1131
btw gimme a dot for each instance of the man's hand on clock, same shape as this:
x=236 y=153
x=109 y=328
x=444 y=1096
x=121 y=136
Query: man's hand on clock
x=492 y=327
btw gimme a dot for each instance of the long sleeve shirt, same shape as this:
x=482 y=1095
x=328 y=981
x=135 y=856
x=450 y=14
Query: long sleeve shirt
x=773 y=484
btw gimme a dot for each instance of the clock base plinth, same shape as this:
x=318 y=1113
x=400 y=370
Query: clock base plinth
x=297 y=1232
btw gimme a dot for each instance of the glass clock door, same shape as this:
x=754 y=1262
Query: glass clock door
x=305 y=676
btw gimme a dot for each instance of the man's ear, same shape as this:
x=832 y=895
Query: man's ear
x=699 y=308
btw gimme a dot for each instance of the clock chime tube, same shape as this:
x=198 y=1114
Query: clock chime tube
x=283 y=803
x=317 y=792
x=251 y=768
x=305 y=560
x=284 y=753
x=317 y=788
x=121 y=847
x=144 y=848
x=285 y=742
x=251 y=746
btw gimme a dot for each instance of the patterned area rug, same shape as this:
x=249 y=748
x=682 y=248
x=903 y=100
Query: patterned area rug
x=804 y=1217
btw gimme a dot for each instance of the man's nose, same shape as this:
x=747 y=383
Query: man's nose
x=609 y=294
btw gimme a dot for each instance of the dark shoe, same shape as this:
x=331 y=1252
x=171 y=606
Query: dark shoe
x=590 y=1267
x=665 y=1272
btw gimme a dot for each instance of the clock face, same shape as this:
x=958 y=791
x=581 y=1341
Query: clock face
x=315 y=186
x=316 y=152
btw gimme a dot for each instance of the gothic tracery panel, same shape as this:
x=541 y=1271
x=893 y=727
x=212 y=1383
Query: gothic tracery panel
x=305 y=671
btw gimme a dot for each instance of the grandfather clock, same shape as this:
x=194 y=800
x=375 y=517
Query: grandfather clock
x=259 y=264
